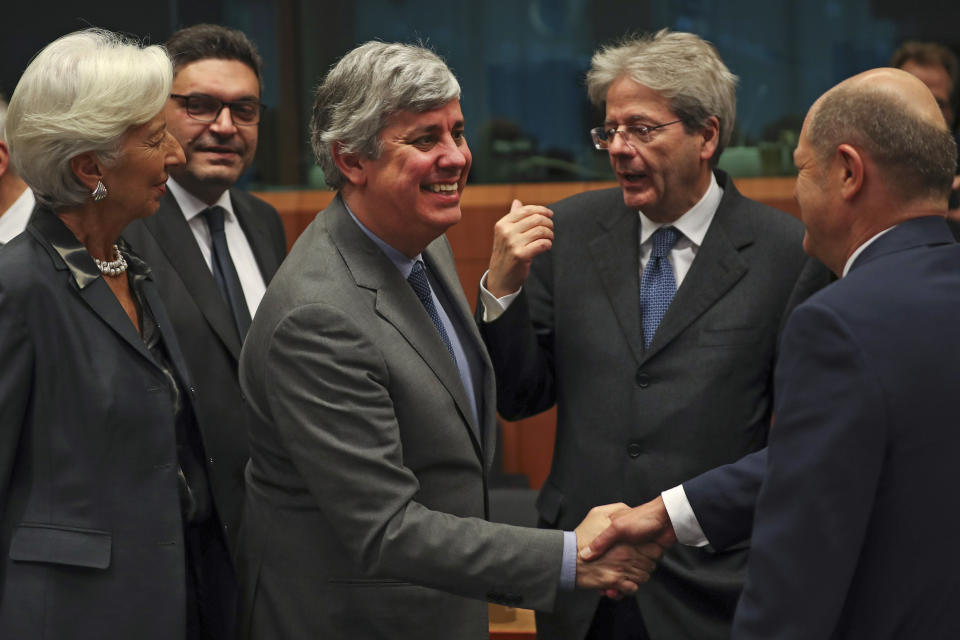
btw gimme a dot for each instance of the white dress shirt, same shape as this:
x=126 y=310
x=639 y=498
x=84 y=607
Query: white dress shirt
x=251 y=280
x=15 y=218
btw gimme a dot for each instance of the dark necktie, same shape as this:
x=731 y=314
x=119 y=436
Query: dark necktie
x=421 y=286
x=657 y=285
x=224 y=272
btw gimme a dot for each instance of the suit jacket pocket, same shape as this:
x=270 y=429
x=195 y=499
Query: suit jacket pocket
x=61 y=545
x=730 y=337
x=368 y=582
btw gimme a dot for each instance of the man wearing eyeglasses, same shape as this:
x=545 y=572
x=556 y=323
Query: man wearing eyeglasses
x=649 y=315
x=212 y=249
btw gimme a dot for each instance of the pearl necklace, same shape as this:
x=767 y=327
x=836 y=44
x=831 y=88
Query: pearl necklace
x=113 y=267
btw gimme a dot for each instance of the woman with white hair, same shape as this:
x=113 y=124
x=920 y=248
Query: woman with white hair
x=106 y=522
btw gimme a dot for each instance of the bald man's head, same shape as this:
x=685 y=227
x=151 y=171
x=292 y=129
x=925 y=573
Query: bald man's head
x=893 y=117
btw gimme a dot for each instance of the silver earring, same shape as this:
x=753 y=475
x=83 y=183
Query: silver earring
x=100 y=192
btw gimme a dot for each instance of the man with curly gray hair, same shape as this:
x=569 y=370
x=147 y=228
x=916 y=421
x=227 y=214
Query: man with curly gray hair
x=649 y=315
x=366 y=489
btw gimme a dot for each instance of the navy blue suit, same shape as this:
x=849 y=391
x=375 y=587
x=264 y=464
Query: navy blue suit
x=855 y=526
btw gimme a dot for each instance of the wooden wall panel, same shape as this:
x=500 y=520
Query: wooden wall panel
x=527 y=444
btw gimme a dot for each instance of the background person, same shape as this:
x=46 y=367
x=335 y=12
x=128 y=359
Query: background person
x=16 y=199
x=211 y=278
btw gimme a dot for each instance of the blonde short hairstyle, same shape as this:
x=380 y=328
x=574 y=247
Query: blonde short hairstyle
x=82 y=93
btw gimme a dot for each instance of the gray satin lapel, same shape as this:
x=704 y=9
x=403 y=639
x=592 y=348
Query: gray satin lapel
x=438 y=258
x=176 y=240
x=616 y=254
x=717 y=267
x=398 y=304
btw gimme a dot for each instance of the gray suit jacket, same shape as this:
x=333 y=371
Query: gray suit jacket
x=366 y=490
x=633 y=422
x=206 y=331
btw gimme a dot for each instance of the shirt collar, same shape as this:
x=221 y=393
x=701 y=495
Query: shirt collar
x=401 y=261
x=694 y=223
x=192 y=206
x=14 y=219
x=856 y=254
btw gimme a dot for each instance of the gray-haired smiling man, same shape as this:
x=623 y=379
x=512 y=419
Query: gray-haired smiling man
x=366 y=489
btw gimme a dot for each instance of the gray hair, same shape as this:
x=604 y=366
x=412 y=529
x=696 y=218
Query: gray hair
x=684 y=68
x=82 y=93
x=918 y=158
x=368 y=85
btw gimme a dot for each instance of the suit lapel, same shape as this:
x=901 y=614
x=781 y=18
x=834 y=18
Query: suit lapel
x=62 y=247
x=178 y=243
x=258 y=235
x=717 y=267
x=398 y=304
x=438 y=256
x=616 y=254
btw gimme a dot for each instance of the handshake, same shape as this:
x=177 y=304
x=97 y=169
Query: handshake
x=618 y=547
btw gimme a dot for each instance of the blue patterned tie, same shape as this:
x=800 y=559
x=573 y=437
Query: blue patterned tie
x=657 y=285
x=421 y=286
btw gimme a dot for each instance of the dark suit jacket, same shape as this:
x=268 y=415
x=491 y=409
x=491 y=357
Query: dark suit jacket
x=92 y=538
x=366 y=489
x=205 y=328
x=856 y=526
x=632 y=423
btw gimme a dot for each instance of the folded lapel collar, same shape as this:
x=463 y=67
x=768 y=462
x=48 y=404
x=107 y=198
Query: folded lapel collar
x=178 y=243
x=397 y=303
x=258 y=235
x=63 y=246
x=616 y=254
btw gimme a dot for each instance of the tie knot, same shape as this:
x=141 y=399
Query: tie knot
x=418 y=280
x=214 y=216
x=663 y=240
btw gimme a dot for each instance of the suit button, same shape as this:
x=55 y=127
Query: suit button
x=634 y=449
x=643 y=379
x=210 y=461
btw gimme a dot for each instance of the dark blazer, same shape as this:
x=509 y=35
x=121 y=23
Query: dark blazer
x=862 y=463
x=206 y=331
x=366 y=489
x=631 y=422
x=92 y=538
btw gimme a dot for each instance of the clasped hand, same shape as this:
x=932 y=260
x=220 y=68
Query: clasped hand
x=620 y=567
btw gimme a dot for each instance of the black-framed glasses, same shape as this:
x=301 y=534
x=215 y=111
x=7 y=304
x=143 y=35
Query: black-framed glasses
x=632 y=134
x=206 y=108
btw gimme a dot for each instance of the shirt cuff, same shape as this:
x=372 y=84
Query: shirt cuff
x=493 y=307
x=684 y=520
x=568 y=567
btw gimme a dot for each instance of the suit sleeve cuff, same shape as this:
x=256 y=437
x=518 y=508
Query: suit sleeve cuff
x=493 y=307
x=684 y=520
x=568 y=567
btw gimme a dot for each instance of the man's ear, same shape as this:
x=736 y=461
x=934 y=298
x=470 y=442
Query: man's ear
x=850 y=165
x=351 y=165
x=710 y=138
x=86 y=167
